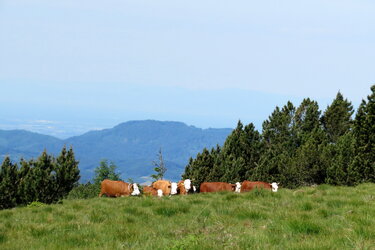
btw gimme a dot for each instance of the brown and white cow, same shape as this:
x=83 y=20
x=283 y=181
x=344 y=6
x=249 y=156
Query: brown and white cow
x=247 y=186
x=150 y=191
x=207 y=187
x=118 y=188
x=184 y=187
x=165 y=186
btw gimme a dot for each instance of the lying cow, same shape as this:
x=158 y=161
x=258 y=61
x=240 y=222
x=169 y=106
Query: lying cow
x=250 y=185
x=183 y=187
x=150 y=191
x=207 y=187
x=118 y=188
x=165 y=186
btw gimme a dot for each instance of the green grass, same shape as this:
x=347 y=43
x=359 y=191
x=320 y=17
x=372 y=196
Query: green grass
x=322 y=217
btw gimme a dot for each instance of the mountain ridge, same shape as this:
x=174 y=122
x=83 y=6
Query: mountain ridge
x=131 y=145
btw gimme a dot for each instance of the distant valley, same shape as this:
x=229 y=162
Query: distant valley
x=132 y=146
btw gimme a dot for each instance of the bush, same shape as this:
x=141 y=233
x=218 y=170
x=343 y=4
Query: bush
x=84 y=191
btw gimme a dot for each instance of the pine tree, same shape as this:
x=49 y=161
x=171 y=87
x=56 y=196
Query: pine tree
x=363 y=167
x=25 y=194
x=8 y=184
x=160 y=167
x=308 y=162
x=199 y=169
x=43 y=181
x=308 y=166
x=340 y=156
x=106 y=171
x=279 y=146
x=67 y=172
x=240 y=153
x=337 y=118
x=306 y=120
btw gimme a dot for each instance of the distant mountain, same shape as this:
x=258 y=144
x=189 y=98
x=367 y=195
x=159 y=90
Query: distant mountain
x=132 y=146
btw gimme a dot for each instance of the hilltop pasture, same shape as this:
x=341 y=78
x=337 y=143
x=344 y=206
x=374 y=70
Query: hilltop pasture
x=322 y=217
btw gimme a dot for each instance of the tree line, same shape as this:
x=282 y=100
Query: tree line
x=46 y=179
x=298 y=146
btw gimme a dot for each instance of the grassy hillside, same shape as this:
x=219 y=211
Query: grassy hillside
x=322 y=217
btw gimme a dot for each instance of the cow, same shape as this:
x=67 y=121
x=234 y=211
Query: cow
x=207 y=187
x=118 y=188
x=149 y=191
x=165 y=186
x=184 y=186
x=250 y=185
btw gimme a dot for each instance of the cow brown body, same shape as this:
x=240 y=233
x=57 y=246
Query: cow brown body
x=150 y=191
x=207 y=187
x=250 y=185
x=164 y=185
x=115 y=188
x=181 y=188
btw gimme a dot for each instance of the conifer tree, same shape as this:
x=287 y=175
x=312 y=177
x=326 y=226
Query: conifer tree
x=279 y=145
x=8 y=184
x=306 y=120
x=217 y=172
x=308 y=165
x=25 y=194
x=340 y=156
x=160 y=167
x=104 y=171
x=67 y=172
x=198 y=170
x=43 y=182
x=363 y=167
x=337 y=118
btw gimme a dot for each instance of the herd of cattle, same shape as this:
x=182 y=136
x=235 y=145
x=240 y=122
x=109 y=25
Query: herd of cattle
x=183 y=187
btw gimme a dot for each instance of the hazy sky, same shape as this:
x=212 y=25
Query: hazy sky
x=70 y=66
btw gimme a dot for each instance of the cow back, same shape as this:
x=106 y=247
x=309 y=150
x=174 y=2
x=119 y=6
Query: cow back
x=250 y=185
x=149 y=191
x=115 y=188
x=207 y=187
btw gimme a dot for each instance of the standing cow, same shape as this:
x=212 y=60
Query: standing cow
x=207 y=187
x=250 y=185
x=118 y=188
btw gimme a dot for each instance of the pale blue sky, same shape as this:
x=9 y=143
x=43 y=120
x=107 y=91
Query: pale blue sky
x=70 y=66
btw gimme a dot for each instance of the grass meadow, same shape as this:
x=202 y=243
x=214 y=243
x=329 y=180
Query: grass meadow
x=322 y=217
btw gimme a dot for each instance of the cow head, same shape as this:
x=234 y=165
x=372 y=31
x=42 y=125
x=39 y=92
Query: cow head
x=135 y=189
x=274 y=186
x=160 y=193
x=238 y=187
x=187 y=185
x=194 y=189
x=173 y=188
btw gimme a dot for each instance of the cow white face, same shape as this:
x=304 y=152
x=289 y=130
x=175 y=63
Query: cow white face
x=174 y=188
x=238 y=187
x=194 y=189
x=160 y=193
x=187 y=185
x=274 y=186
x=135 y=190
